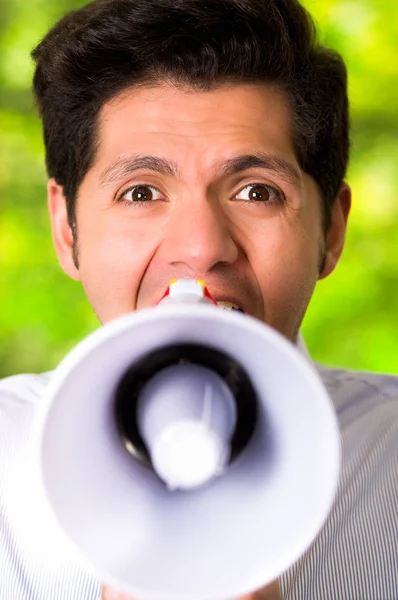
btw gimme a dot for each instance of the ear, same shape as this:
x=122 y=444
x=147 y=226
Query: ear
x=335 y=235
x=61 y=230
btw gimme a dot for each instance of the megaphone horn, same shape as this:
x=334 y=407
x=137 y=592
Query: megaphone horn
x=232 y=454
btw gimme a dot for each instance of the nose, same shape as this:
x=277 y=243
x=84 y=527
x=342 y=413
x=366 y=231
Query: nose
x=198 y=238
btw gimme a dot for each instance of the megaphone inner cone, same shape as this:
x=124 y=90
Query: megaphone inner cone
x=233 y=382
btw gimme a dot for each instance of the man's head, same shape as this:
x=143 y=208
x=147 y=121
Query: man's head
x=231 y=119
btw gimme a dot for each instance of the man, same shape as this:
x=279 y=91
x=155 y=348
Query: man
x=205 y=139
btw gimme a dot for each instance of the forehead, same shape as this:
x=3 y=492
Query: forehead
x=172 y=120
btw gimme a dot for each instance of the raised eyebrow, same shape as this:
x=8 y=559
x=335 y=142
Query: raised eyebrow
x=269 y=162
x=126 y=165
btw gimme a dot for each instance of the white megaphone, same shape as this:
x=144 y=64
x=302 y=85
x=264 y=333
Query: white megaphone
x=188 y=453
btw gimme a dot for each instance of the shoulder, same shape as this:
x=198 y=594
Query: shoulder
x=366 y=406
x=356 y=552
x=20 y=396
x=34 y=561
x=26 y=387
x=356 y=393
x=370 y=383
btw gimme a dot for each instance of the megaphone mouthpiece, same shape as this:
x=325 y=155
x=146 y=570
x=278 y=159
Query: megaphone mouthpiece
x=187 y=455
x=186 y=415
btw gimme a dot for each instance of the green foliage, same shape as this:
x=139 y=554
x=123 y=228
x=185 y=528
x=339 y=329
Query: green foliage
x=352 y=320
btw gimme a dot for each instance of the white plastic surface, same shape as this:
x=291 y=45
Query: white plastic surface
x=186 y=415
x=187 y=291
x=229 y=537
x=187 y=455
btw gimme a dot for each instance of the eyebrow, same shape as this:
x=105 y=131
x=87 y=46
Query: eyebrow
x=124 y=166
x=261 y=160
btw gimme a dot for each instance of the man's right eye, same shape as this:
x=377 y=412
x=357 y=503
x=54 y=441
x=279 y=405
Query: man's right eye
x=139 y=194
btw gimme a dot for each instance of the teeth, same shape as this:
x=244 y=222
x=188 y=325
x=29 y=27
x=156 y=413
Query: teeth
x=228 y=306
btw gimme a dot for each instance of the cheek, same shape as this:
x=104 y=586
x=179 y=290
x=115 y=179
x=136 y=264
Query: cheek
x=287 y=271
x=286 y=275
x=113 y=257
x=286 y=253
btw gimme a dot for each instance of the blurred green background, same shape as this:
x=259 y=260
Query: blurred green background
x=353 y=319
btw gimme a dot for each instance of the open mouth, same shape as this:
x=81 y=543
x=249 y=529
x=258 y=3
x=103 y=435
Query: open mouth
x=229 y=306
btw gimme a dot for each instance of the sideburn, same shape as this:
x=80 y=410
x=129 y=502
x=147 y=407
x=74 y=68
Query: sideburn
x=75 y=246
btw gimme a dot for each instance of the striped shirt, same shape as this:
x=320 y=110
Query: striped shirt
x=355 y=556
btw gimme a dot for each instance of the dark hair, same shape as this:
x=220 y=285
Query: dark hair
x=107 y=46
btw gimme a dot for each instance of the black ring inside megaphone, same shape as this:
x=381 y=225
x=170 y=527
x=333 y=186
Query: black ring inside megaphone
x=139 y=373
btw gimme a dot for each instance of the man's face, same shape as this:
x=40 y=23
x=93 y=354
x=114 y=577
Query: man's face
x=198 y=185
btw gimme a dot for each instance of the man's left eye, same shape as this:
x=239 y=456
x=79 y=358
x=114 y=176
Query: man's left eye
x=259 y=192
